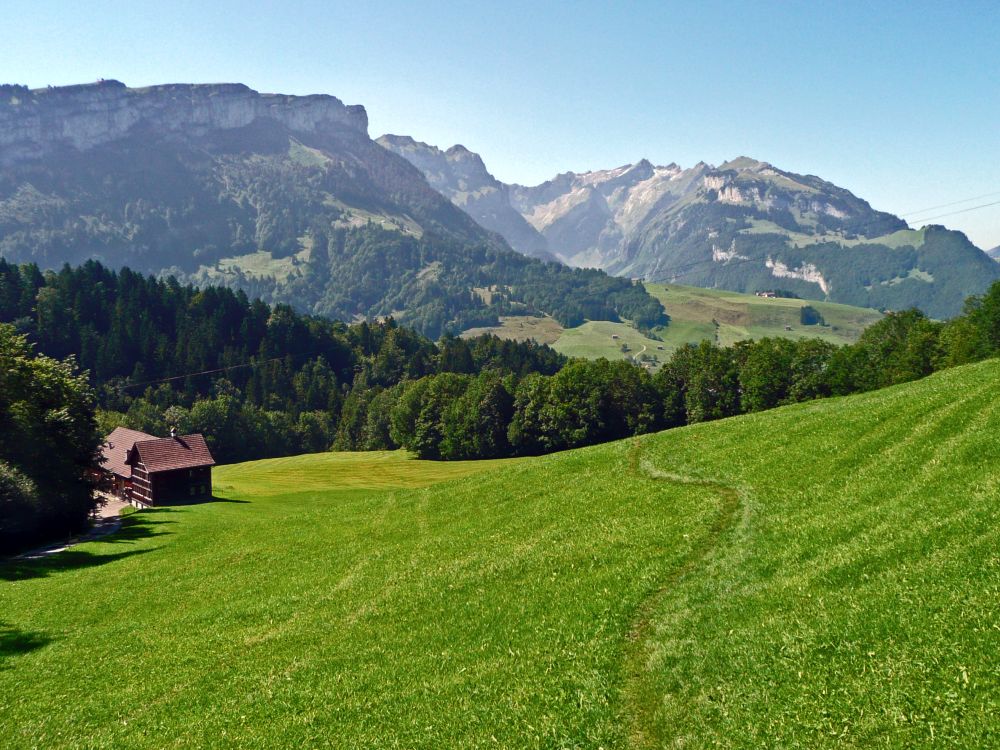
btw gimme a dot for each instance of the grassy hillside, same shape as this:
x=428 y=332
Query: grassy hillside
x=821 y=574
x=743 y=316
x=695 y=314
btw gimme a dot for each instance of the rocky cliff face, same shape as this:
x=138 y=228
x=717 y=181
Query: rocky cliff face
x=180 y=177
x=36 y=123
x=621 y=204
x=461 y=176
x=588 y=217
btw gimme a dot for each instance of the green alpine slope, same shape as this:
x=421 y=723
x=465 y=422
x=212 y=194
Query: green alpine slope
x=817 y=575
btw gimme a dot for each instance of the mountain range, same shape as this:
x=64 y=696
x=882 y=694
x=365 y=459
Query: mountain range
x=744 y=225
x=289 y=199
x=285 y=197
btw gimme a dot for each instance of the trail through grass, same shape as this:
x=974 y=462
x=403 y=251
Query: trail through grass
x=857 y=604
x=824 y=574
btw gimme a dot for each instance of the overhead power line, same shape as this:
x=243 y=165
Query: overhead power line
x=953 y=203
x=126 y=386
x=925 y=219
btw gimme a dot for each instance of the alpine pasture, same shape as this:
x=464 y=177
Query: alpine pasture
x=824 y=574
x=696 y=314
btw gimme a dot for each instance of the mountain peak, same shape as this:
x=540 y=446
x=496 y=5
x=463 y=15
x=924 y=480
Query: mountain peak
x=461 y=176
x=404 y=143
x=745 y=164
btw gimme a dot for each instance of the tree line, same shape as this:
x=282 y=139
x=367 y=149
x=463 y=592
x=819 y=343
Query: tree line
x=48 y=442
x=259 y=381
x=262 y=381
x=490 y=415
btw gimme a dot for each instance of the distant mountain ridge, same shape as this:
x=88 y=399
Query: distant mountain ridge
x=994 y=253
x=461 y=176
x=570 y=207
x=285 y=197
x=747 y=225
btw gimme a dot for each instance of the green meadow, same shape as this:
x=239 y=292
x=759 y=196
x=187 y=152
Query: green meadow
x=696 y=314
x=823 y=574
x=736 y=317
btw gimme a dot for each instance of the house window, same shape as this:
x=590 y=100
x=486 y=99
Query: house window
x=191 y=490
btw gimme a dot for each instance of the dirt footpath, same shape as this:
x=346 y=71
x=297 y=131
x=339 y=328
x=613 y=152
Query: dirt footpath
x=107 y=520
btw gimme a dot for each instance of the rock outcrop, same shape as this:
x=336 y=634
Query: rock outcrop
x=35 y=123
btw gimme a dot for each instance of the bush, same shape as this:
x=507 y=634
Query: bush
x=20 y=513
x=49 y=432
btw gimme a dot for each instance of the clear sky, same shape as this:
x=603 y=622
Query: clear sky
x=897 y=101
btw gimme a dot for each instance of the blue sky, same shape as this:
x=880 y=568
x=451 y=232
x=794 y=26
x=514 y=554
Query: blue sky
x=899 y=103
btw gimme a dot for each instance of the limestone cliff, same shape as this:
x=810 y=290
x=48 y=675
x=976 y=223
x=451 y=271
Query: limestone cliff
x=34 y=123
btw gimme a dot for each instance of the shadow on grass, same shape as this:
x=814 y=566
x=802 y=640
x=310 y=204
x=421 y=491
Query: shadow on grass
x=200 y=501
x=134 y=527
x=14 y=642
x=140 y=526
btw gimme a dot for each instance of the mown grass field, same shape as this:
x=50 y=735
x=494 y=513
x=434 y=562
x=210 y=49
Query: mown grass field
x=825 y=574
x=744 y=316
x=696 y=314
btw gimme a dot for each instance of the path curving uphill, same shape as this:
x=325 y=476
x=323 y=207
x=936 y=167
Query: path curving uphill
x=640 y=696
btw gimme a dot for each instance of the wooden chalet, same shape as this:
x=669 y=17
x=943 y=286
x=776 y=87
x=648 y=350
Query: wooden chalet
x=147 y=470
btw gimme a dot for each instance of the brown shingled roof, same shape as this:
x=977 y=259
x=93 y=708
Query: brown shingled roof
x=167 y=454
x=116 y=447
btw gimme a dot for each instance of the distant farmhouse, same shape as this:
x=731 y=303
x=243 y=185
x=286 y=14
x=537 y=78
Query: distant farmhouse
x=147 y=470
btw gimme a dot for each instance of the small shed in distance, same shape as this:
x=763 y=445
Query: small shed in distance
x=146 y=470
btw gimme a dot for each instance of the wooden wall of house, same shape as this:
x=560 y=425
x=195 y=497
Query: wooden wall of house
x=142 y=486
x=181 y=485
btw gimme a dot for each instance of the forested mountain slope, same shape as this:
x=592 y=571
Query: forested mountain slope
x=259 y=381
x=285 y=197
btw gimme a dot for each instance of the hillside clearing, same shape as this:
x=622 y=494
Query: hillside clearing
x=745 y=316
x=820 y=574
x=600 y=338
x=544 y=330
x=696 y=314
